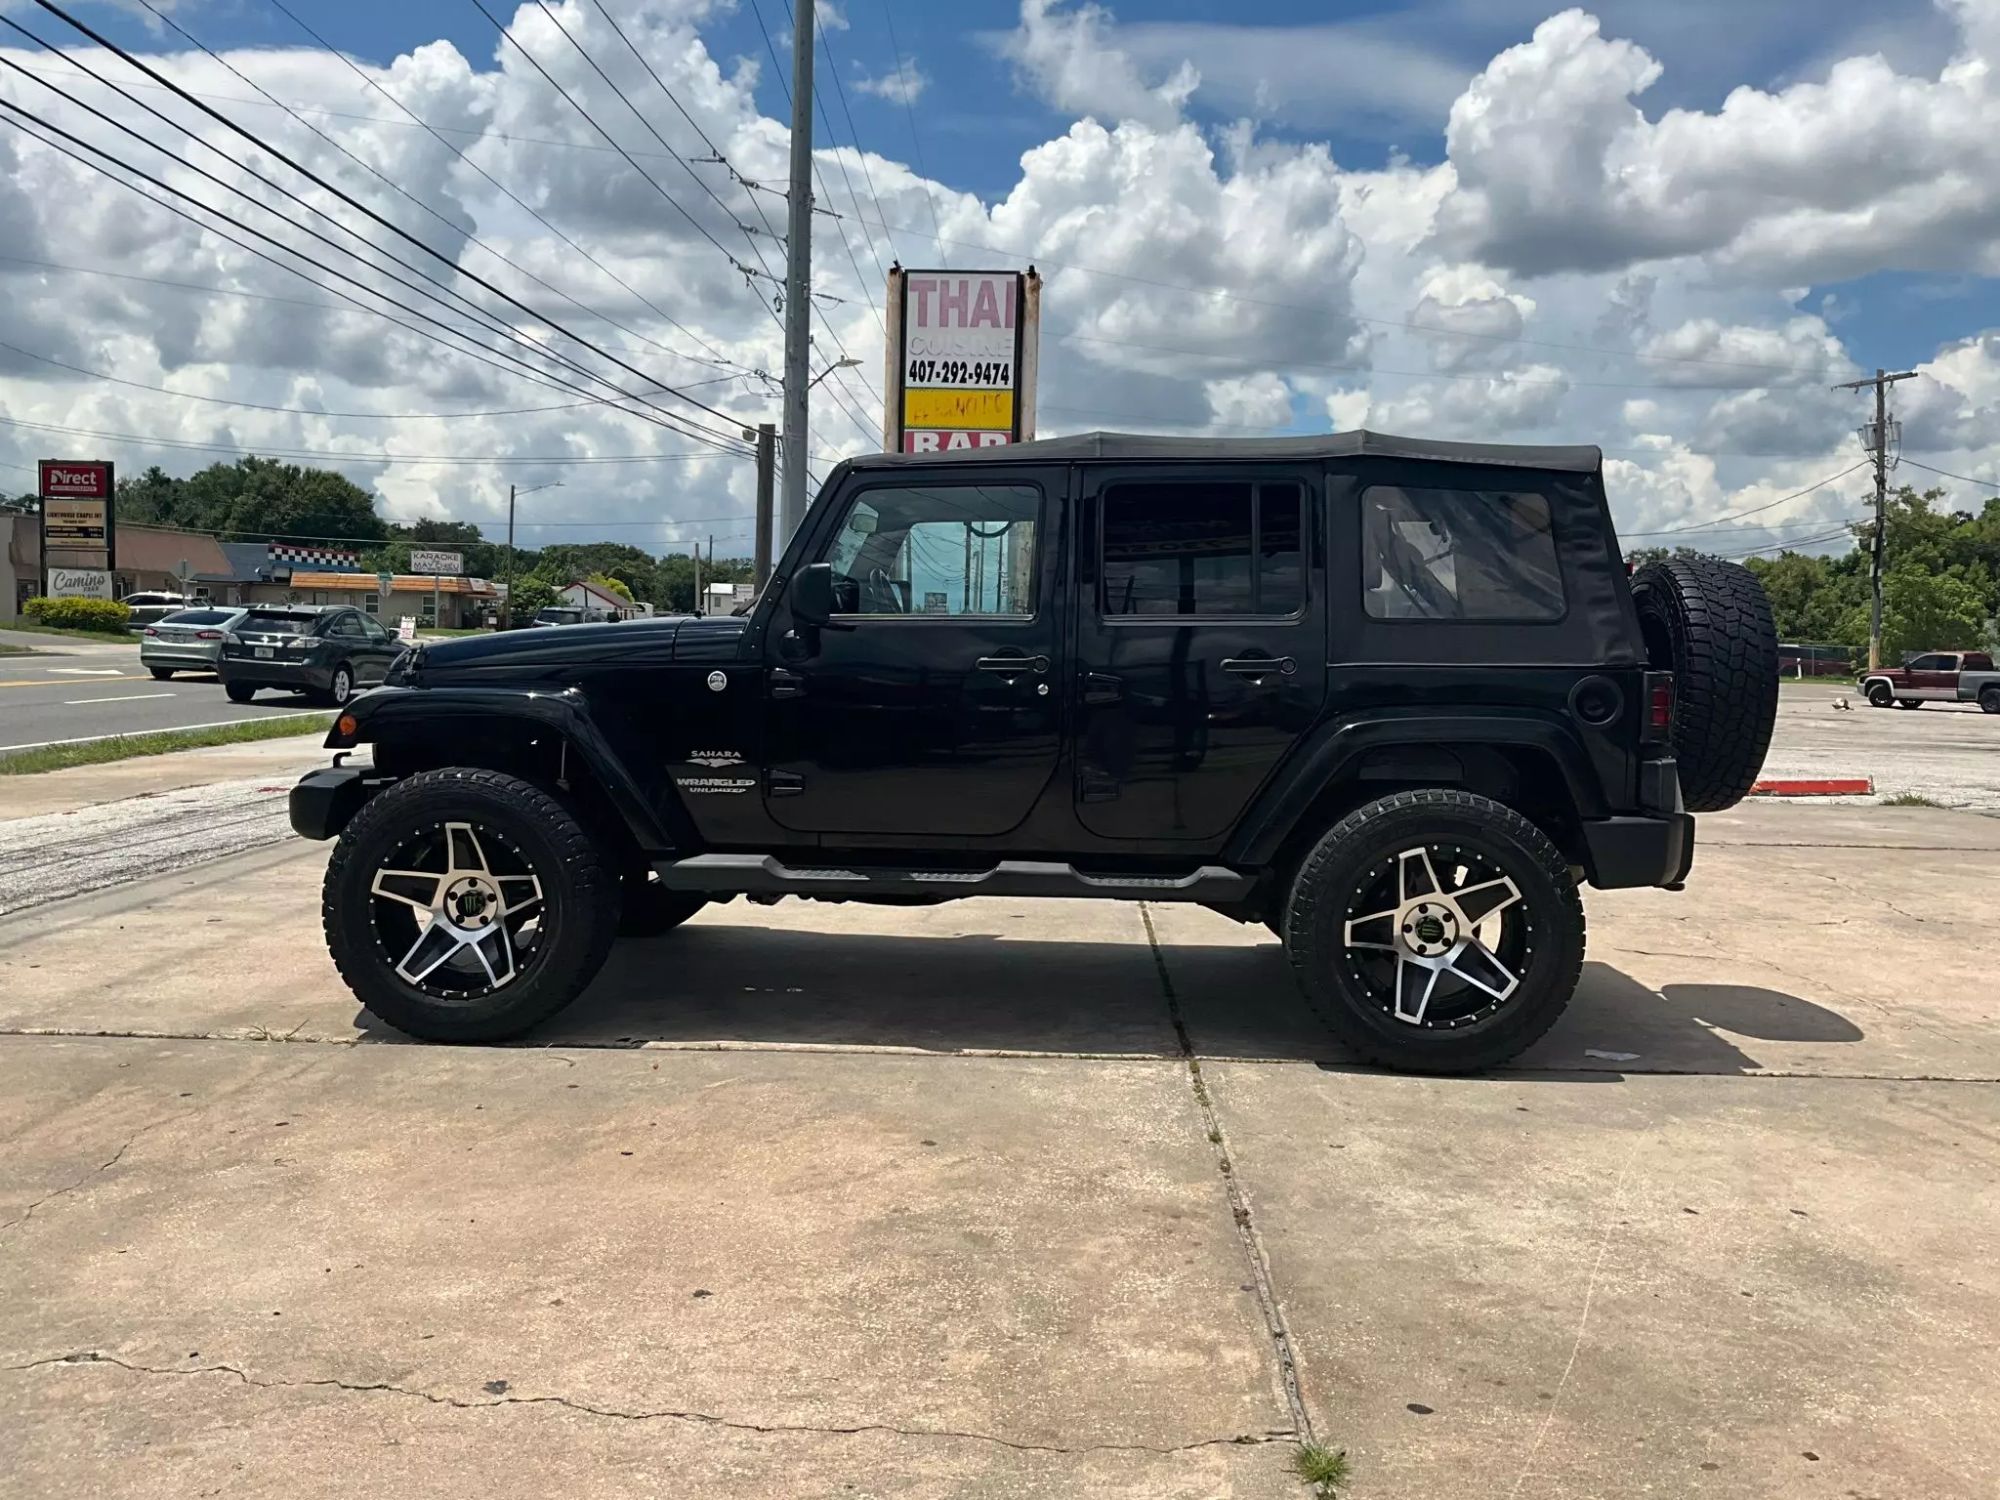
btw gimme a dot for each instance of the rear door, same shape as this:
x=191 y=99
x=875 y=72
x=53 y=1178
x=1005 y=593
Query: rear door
x=1200 y=636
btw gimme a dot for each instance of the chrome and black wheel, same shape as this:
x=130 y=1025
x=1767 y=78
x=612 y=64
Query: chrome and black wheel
x=467 y=906
x=1437 y=931
x=341 y=687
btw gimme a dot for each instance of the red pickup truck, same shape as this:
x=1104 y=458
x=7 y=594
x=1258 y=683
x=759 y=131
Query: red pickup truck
x=1945 y=676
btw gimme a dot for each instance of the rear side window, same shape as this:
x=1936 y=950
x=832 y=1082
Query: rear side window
x=198 y=617
x=1458 y=555
x=274 y=624
x=1203 y=548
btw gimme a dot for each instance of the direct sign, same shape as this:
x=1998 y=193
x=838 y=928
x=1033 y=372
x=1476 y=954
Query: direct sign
x=962 y=359
x=449 y=563
x=79 y=583
x=63 y=480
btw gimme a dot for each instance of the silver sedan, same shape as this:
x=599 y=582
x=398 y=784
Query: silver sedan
x=189 y=640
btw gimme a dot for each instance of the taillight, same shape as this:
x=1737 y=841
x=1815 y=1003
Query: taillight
x=1659 y=705
x=208 y=635
x=151 y=631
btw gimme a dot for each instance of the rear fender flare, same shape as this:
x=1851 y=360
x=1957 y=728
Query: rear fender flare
x=460 y=715
x=1334 y=750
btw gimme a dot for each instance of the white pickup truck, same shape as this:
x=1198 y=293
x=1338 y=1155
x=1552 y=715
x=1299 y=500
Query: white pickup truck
x=1936 y=676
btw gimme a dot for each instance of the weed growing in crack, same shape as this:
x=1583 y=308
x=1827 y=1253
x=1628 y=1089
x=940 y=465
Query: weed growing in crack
x=1323 y=1469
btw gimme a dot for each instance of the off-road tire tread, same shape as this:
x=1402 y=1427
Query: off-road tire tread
x=1314 y=966
x=1725 y=665
x=560 y=977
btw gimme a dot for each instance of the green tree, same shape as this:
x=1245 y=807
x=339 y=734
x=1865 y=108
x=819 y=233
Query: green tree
x=612 y=585
x=530 y=594
x=1921 y=611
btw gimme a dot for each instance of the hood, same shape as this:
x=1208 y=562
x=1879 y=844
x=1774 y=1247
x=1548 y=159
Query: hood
x=556 y=653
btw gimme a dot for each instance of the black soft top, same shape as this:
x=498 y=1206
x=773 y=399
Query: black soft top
x=1132 y=447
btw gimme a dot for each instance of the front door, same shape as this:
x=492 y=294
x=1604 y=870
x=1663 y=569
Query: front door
x=1200 y=643
x=932 y=705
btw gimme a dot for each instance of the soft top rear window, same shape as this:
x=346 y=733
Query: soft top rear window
x=1450 y=554
x=276 y=624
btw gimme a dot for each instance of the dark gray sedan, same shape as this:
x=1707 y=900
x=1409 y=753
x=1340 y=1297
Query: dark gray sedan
x=189 y=640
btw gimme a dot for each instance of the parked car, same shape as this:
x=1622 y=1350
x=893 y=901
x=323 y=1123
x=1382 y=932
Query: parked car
x=1394 y=699
x=327 y=652
x=189 y=640
x=149 y=607
x=557 y=614
x=1935 y=676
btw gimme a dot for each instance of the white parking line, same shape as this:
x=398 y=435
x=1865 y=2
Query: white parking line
x=121 y=698
x=85 y=671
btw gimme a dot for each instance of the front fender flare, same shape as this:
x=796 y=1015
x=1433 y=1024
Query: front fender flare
x=457 y=713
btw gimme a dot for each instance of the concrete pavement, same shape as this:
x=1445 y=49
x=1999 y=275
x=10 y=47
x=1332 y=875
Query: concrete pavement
x=928 y=1202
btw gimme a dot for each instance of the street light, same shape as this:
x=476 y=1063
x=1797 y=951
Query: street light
x=507 y=606
x=839 y=364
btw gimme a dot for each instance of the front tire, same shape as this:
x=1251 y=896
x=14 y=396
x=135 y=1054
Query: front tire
x=339 y=687
x=1437 y=931
x=465 y=905
x=1880 y=695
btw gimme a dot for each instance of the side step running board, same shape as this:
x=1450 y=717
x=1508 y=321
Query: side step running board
x=758 y=874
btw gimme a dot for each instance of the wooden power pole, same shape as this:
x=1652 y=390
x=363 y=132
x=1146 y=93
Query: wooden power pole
x=1876 y=435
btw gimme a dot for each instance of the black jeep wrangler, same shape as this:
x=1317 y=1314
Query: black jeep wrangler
x=1394 y=699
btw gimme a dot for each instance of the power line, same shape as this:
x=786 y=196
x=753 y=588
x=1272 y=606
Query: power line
x=1984 y=484
x=393 y=228
x=355 y=458
x=518 y=202
x=382 y=541
x=907 y=80
x=840 y=88
x=1755 y=509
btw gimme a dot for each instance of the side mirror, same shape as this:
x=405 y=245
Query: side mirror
x=813 y=597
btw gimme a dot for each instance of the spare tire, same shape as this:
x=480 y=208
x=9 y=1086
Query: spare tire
x=1709 y=623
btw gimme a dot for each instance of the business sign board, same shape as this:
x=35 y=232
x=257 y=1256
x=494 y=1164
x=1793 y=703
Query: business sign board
x=963 y=348
x=79 y=583
x=450 y=564
x=77 y=517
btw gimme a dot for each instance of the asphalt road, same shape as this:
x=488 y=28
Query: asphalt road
x=75 y=691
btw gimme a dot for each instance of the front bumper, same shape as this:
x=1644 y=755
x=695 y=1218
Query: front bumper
x=326 y=800
x=1625 y=852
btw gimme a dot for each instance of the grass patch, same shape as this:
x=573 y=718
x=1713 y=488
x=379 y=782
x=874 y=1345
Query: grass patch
x=1909 y=799
x=1840 y=682
x=423 y=630
x=122 y=637
x=1324 y=1470
x=127 y=746
x=18 y=651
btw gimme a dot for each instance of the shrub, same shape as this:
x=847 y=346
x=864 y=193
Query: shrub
x=78 y=614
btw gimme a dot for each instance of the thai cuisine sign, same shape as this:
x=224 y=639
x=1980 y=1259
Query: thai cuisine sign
x=962 y=354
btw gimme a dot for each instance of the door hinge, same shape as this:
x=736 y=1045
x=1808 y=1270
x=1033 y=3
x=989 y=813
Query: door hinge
x=784 y=784
x=786 y=684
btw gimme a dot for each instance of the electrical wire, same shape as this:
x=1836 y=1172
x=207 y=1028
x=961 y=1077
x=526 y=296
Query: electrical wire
x=854 y=135
x=1984 y=484
x=1755 y=509
x=906 y=79
x=396 y=229
x=518 y=202
x=380 y=541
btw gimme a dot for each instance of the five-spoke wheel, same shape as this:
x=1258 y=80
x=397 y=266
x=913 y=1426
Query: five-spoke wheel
x=1435 y=930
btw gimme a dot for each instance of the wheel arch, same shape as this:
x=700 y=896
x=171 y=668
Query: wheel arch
x=548 y=739
x=1532 y=765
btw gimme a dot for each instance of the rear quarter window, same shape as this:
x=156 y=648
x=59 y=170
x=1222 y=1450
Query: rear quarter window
x=1451 y=554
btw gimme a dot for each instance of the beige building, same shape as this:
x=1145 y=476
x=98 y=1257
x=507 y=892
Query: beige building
x=462 y=603
x=149 y=558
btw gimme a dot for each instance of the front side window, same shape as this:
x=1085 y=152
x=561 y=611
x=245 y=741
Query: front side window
x=938 y=549
x=346 y=625
x=1931 y=664
x=1458 y=555
x=1203 y=548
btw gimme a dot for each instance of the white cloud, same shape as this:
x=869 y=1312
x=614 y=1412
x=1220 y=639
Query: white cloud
x=903 y=85
x=1070 y=59
x=1257 y=401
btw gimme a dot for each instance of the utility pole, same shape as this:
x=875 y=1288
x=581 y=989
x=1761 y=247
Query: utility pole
x=798 y=268
x=696 y=607
x=767 y=444
x=1876 y=437
x=507 y=600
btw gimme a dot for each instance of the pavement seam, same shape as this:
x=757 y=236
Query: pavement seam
x=1262 y=1282
x=88 y=1177
x=267 y=1037
x=696 y=1418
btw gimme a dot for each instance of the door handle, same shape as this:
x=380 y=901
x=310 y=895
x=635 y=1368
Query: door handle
x=1102 y=687
x=786 y=684
x=1258 y=668
x=1013 y=666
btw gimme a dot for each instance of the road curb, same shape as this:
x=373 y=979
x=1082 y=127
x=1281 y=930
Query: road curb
x=1822 y=786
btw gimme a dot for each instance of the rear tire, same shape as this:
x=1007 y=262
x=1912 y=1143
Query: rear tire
x=1365 y=990
x=239 y=692
x=161 y=674
x=1709 y=623
x=1909 y=703
x=1989 y=699
x=552 y=901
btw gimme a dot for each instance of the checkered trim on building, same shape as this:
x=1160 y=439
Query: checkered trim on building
x=314 y=557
